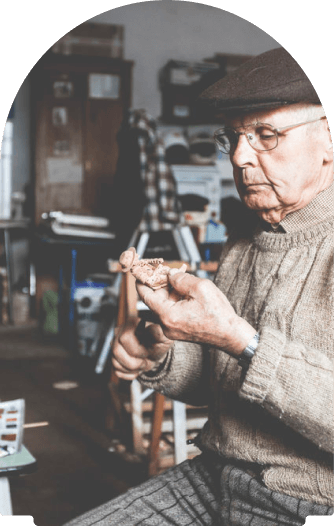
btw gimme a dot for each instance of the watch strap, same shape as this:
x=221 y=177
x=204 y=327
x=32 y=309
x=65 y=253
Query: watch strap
x=248 y=353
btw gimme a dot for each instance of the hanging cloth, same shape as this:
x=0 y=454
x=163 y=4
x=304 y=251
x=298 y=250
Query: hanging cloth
x=144 y=190
x=161 y=209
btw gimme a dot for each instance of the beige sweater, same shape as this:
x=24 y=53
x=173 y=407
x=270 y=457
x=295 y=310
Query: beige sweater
x=280 y=415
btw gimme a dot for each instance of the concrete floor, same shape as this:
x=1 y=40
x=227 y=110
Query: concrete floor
x=75 y=470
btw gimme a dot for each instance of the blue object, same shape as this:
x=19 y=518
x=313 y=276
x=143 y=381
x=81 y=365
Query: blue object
x=74 y=246
x=72 y=291
x=215 y=232
x=207 y=254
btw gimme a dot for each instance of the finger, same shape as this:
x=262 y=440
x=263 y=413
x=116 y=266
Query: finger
x=129 y=336
x=174 y=271
x=127 y=360
x=156 y=300
x=125 y=376
x=124 y=370
x=129 y=327
x=184 y=283
x=156 y=334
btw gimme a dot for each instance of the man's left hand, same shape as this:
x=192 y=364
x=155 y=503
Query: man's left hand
x=195 y=310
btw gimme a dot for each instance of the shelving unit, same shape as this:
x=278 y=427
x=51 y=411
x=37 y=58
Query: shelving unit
x=212 y=181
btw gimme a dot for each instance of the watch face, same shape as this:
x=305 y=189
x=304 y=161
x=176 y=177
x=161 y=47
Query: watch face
x=247 y=355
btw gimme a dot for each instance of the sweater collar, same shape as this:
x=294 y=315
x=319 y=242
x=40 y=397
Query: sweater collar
x=319 y=209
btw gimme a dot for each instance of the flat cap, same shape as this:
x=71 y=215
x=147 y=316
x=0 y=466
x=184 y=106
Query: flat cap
x=271 y=79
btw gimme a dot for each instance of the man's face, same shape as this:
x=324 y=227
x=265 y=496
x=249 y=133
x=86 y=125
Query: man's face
x=279 y=181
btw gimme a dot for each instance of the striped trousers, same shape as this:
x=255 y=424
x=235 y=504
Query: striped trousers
x=205 y=492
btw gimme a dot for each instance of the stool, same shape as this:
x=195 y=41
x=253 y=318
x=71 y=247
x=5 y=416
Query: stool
x=17 y=464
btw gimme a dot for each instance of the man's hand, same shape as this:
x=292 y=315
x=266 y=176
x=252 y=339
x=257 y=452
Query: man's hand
x=134 y=352
x=196 y=310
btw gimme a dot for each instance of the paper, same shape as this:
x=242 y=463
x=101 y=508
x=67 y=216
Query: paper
x=59 y=116
x=181 y=111
x=63 y=171
x=11 y=426
x=104 y=86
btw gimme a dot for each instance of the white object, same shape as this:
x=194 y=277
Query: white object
x=77 y=225
x=5 y=499
x=62 y=230
x=213 y=182
x=12 y=413
x=63 y=171
x=88 y=305
x=78 y=220
x=197 y=141
x=6 y=171
x=180 y=432
x=104 y=86
x=175 y=138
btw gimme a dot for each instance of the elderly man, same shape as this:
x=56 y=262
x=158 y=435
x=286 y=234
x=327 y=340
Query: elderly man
x=255 y=345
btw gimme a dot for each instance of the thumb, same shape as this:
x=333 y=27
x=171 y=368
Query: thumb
x=183 y=283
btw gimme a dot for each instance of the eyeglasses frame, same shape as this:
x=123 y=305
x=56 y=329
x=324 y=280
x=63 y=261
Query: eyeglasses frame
x=275 y=130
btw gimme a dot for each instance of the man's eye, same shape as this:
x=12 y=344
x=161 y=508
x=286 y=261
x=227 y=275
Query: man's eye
x=264 y=134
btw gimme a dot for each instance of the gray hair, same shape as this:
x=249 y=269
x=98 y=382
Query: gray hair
x=307 y=112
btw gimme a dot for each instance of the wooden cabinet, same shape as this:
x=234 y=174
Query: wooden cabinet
x=78 y=104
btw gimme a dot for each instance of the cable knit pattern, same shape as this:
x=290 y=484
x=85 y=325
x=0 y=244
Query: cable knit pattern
x=281 y=414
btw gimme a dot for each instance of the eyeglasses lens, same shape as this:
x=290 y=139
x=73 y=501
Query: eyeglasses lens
x=261 y=137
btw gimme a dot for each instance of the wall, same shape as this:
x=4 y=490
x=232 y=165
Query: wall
x=156 y=32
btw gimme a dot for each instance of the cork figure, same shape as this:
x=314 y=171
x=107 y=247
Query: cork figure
x=150 y=272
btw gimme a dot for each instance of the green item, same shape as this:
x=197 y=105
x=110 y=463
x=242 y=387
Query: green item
x=50 y=306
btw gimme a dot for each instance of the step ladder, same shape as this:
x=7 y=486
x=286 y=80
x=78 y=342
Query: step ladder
x=148 y=418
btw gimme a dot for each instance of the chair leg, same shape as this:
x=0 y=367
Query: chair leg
x=137 y=417
x=180 y=431
x=158 y=414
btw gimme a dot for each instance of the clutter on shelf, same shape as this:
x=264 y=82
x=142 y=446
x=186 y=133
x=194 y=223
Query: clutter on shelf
x=105 y=40
x=202 y=149
x=76 y=225
x=181 y=83
x=91 y=303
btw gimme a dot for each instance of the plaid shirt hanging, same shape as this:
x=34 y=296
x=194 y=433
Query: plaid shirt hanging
x=161 y=210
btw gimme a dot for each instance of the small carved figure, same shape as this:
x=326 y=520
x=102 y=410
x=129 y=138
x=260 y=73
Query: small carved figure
x=150 y=272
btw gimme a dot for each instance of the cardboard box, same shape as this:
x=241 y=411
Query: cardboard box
x=102 y=40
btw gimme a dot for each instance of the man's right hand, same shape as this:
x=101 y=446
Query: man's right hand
x=134 y=353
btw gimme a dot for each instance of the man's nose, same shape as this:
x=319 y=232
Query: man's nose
x=243 y=154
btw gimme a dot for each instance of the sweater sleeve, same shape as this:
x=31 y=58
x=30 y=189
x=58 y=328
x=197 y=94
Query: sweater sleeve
x=184 y=375
x=295 y=384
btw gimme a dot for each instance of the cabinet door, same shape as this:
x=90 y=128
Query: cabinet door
x=59 y=140
x=104 y=110
x=79 y=107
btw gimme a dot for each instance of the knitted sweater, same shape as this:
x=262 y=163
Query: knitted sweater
x=280 y=415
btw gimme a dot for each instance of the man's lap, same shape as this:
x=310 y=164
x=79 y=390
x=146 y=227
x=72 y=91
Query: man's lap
x=183 y=495
x=202 y=492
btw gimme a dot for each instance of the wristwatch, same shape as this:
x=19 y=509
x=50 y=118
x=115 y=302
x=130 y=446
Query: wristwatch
x=248 y=353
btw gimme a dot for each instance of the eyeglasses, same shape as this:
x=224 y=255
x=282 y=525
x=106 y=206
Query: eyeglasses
x=262 y=137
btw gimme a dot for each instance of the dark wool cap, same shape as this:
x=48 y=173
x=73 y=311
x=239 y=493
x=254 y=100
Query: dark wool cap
x=268 y=80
